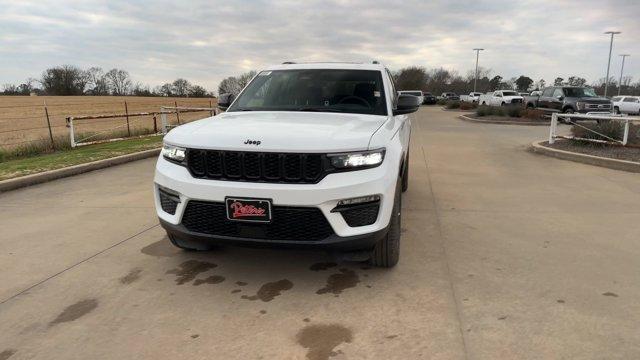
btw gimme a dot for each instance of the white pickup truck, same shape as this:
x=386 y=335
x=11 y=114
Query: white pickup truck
x=501 y=98
x=473 y=97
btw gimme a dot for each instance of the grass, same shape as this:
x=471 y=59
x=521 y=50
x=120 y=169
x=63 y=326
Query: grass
x=84 y=154
x=611 y=129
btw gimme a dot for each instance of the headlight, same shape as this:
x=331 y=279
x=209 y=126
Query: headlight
x=357 y=159
x=580 y=105
x=174 y=153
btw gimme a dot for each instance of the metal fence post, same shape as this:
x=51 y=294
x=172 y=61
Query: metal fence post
x=211 y=106
x=71 y=132
x=552 y=128
x=626 y=132
x=155 y=124
x=177 y=112
x=126 y=112
x=46 y=113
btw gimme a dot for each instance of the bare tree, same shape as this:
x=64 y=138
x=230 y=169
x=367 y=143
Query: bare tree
x=181 y=87
x=118 y=81
x=64 y=80
x=96 y=81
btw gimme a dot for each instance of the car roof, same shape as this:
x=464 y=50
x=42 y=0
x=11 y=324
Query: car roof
x=327 y=65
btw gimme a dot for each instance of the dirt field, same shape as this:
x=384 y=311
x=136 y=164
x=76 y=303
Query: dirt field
x=22 y=118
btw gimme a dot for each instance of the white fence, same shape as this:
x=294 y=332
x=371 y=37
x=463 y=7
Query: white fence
x=575 y=118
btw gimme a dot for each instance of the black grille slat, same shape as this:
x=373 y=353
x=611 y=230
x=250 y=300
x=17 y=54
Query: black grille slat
x=257 y=166
x=288 y=223
x=168 y=202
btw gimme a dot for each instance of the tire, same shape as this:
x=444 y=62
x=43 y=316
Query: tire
x=405 y=175
x=503 y=104
x=188 y=245
x=484 y=103
x=616 y=110
x=386 y=253
x=568 y=111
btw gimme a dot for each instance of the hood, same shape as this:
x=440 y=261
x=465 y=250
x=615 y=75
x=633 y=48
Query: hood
x=280 y=131
x=511 y=97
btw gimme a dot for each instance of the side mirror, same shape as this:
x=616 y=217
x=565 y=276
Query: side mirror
x=224 y=100
x=560 y=97
x=407 y=104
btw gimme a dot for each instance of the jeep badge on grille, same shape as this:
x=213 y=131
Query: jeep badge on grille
x=253 y=142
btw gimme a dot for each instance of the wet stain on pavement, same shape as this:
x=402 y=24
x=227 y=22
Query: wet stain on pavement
x=320 y=340
x=343 y=280
x=391 y=336
x=241 y=283
x=269 y=291
x=235 y=291
x=560 y=301
x=610 y=294
x=160 y=248
x=132 y=276
x=5 y=354
x=188 y=270
x=502 y=318
x=263 y=312
x=75 y=311
x=214 y=279
x=322 y=266
x=195 y=336
x=306 y=320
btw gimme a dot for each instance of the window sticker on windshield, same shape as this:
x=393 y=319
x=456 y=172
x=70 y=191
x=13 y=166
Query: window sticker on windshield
x=376 y=93
x=265 y=73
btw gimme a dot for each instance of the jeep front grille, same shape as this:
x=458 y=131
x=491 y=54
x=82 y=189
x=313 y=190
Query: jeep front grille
x=256 y=166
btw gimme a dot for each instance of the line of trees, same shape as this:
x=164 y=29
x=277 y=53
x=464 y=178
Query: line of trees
x=72 y=80
x=441 y=80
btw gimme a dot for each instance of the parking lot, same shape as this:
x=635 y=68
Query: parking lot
x=505 y=254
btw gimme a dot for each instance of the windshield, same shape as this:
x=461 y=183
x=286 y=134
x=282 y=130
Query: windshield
x=509 y=93
x=579 y=92
x=323 y=90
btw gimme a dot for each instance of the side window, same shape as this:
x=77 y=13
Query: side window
x=630 y=99
x=557 y=92
x=616 y=99
x=498 y=94
x=394 y=93
x=548 y=92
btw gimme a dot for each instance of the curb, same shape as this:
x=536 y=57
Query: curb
x=615 y=164
x=524 y=123
x=33 y=179
x=458 y=110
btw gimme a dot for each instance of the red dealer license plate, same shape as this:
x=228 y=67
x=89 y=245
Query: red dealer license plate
x=249 y=210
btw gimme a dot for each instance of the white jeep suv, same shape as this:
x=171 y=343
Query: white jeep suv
x=307 y=155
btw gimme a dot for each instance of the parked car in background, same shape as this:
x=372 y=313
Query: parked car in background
x=429 y=98
x=569 y=99
x=449 y=96
x=473 y=97
x=417 y=93
x=626 y=105
x=501 y=98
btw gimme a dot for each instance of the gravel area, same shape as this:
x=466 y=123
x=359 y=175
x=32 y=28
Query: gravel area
x=609 y=151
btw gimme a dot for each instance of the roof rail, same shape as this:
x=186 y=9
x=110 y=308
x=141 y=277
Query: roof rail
x=288 y=63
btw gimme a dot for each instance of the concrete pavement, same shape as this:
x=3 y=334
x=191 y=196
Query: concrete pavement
x=505 y=254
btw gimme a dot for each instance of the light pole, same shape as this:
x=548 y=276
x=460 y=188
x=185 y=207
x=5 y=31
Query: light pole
x=621 y=70
x=606 y=80
x=475 y=81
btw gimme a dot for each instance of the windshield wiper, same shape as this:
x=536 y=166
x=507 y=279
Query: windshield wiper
x=318 y=109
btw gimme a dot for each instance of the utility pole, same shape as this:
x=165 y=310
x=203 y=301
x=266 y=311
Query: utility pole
x=606 y=80
x=475 y=81
x=621 y=70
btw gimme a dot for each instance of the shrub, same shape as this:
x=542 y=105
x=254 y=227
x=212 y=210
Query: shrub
x=534 y=114
x=613 y=129
x=484 y=110
x=442 y=102
x=453 y=104
x=468 y=105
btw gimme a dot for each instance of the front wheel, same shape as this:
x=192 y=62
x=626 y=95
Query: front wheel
x=386 y=253
x=616 y=110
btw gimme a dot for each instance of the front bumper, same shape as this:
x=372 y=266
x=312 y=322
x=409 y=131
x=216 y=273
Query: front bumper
x=324 y=195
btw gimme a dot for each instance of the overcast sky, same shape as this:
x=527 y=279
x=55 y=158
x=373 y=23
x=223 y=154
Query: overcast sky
x=205 y=41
